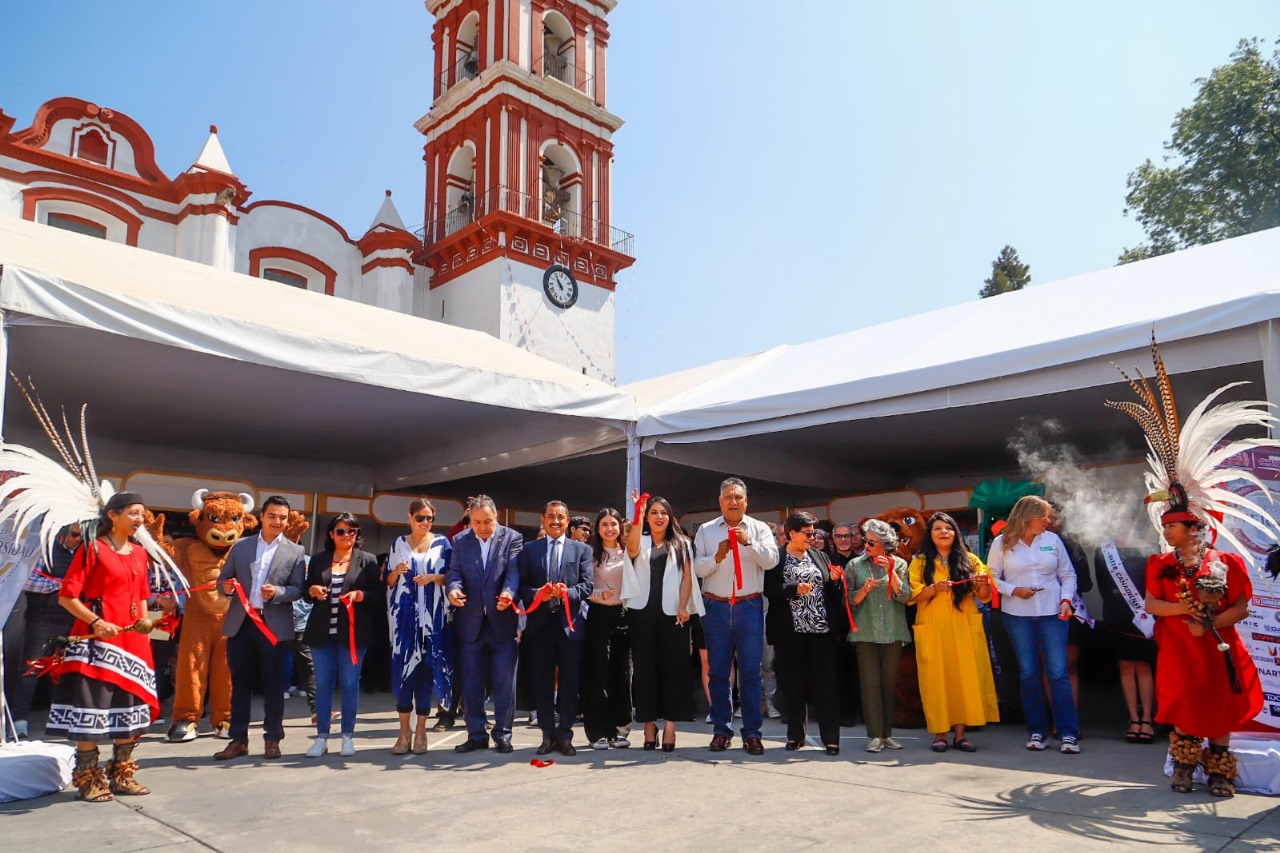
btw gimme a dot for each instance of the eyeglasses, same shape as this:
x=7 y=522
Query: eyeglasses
x=345 y=532
x=842 y=535
x=422 y=518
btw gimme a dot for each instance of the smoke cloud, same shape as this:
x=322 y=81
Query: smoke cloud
x=1098 y=504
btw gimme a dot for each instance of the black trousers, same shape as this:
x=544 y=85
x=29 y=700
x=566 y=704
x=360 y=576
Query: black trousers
x=251 y=657
x=606 y=676
x=661 y=686
x=45 y=619
x=807 y=670
x=553 y=649
x=304 y=670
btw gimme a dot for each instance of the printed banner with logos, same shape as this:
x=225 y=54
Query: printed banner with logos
x=1261 y=631
x=19 y=551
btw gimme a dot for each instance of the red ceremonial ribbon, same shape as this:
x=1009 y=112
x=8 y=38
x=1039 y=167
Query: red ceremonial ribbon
x=538 y=762
x=171 y=593
x=537 y=602
x=253 y=614
x=737 y=566
x=844 y=584
x=41 y=574
x=995 y=593
x=640 y=502
x=351 y=628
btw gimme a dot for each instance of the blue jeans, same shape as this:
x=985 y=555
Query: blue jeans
x=1038 y=639
x=735 y=630
x=333 y=666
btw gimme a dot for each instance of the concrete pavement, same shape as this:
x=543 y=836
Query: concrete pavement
x=1112 y=796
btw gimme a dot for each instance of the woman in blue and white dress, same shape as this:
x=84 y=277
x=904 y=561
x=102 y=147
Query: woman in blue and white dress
x=421 y=639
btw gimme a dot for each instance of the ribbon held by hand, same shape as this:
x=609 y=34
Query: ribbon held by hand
x=537 y=602
x=844 y=585
x=737 y=566
x=640 y=503
x=253 y=614
x=351 y=628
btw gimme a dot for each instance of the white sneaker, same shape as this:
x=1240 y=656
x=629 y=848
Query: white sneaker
x=21 y=730
x=771 y=711
x=875 y=745
x=1070 y=745
x=319 y=746
x=1036 y=743
x=601 y=743
x=890 y=743
x=619 y=743
x=348 y=745
x=708 y=720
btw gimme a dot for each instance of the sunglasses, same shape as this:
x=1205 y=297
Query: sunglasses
x=422 y=518
x=342 y=531
x=75 y=535
x=872 y=543
x=807 y=534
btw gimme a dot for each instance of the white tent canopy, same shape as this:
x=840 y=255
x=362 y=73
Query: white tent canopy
x=985 y=363
x=226 y=370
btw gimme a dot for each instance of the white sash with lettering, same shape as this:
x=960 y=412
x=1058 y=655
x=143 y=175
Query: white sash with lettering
x=1143 y=620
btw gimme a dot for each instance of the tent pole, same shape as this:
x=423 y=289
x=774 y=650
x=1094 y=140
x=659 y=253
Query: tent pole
x=633 y=465
x=1269 y=337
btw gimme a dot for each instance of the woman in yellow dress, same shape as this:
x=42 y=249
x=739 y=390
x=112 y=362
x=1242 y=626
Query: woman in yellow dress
x=956 y=686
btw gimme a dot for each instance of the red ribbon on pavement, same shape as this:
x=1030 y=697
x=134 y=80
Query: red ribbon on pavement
x=253 y=614
x=351 y=628
x=737 y=566
x=640 y=502
x=537 y=602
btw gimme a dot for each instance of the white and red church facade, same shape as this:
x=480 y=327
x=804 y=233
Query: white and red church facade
x=518 y=239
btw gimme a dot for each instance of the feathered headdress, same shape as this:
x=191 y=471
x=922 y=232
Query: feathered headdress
x=1187 y=477
x=42 y=492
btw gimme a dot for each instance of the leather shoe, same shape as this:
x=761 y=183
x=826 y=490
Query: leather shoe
x=235 y=749
x=566 y=747
x=271 y=749
x=471 y=746
x=503 y=747
x=753 y=746
x=719 y=743
x=443 y=724
x=547 y=746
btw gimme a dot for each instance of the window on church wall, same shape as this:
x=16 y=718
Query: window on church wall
x=67 y=222
x=559 y=49
x=285 y=277
x=91 y=145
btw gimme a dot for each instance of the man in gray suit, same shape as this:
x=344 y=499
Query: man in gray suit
x=269 y=570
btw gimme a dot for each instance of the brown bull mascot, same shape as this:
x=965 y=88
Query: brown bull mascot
x=908 y=710
x=220 y=519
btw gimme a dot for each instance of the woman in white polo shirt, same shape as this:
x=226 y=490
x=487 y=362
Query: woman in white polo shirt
x=1036 y=581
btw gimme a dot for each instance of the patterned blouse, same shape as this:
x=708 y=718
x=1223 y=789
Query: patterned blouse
x=808 y=612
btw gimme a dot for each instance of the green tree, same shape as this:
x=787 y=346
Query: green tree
x=1008 y=273
x=1221 y=176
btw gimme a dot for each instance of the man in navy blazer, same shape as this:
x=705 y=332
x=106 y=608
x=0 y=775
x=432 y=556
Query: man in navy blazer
x=270 y=569
x=551 y=569
x=482 y=581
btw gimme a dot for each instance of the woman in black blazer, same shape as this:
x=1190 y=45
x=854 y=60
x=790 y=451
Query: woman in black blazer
x=343 y=581
x=805 y=594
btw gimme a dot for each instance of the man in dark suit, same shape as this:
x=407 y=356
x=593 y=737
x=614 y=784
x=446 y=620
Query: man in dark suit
x=482 y=581
x=550 y=569
x=270 y=570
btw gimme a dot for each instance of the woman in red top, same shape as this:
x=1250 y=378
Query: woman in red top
x=107 y=687
x=1189 y=589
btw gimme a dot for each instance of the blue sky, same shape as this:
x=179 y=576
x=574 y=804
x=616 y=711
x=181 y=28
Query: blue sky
x=786 y=178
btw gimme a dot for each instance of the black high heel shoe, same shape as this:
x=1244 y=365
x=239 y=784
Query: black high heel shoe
x=668 y=747
x=650 y=745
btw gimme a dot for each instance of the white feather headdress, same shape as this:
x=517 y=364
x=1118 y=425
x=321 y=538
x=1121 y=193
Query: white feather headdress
x=1188 y=477
x=50 y=496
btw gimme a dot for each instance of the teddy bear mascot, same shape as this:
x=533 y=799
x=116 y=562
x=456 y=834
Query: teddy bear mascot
x=908 y=709
x=220 y=519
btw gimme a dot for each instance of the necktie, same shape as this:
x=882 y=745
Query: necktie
x=553 y=562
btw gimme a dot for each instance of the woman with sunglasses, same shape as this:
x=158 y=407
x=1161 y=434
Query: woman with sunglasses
x=341 y=580
x=956 y=685
x=421 y=640
x=804 y=591
x=879 y=586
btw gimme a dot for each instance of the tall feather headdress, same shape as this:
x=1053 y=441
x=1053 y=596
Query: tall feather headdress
x=51 y=495
x=1188 y=477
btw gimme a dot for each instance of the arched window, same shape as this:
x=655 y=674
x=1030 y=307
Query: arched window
x=561 y=189
x=460 y=188
x=92 y=145
x=78 y=224
x=466 y=50
x=559 y=49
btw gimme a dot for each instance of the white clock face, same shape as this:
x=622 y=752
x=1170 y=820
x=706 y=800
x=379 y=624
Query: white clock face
x=560 y=287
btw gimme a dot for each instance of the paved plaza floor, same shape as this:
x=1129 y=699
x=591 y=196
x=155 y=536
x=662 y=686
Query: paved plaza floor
x=1112 y=796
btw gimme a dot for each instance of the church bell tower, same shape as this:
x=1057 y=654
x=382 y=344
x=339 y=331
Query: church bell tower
x=519 y=240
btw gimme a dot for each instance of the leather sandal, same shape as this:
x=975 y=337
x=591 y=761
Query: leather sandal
x=1146 y=737
x=939 y=744
x=1132 y=736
